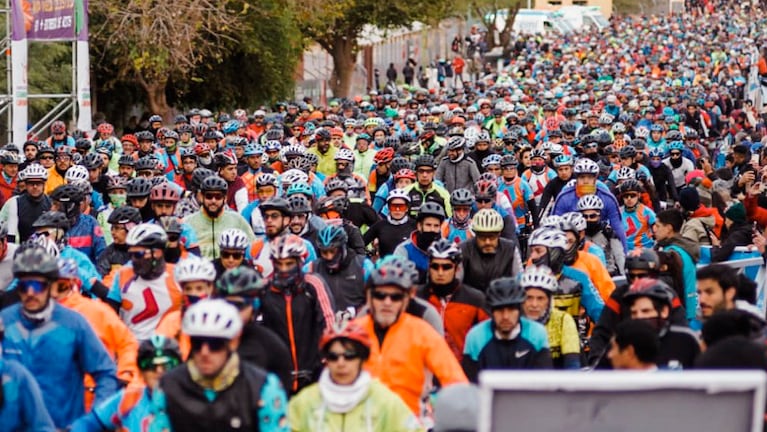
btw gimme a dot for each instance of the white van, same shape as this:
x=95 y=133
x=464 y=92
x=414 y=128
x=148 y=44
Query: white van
x=580 y=17
x=531 y=21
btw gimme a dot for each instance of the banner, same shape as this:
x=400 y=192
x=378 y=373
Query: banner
x=46 y=20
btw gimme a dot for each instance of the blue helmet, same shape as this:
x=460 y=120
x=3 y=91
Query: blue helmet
x=253 y=149
x=332 y=236
x=231 y=126
x=656 y=128
x=676 y=145
x=299 y=188
x=563 y=160
x=657 y=152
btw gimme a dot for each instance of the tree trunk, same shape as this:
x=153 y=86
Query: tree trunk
x=156 y=98
x=343 y=51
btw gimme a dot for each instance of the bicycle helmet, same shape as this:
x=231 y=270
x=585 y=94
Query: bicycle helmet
x=538 y=153
x=398 y=194
x=293 y=176
x=327 y=204
x=139 y=187
x=194 y=268
x=288 y=246
x=36 y=172
x=332 y=236
x=276 y=203
x=164 y=192
x=675 y=145
x=52 y=219
x=146 y=163
x=654 y=289
x=674 y=135
x=253 y=149
x=643 y=259
x=626 y=173
x=505 y=292
x=126 y=160
x=212 y=318
x=147 y=235
x=35 y=261
x=116 y=182
x=456 y=143
x=233 y=238
x=404 y=173
x=58 y=127
x=483 y=136
x=445 y=249
x=299 y=189
x=214 y=183
x=627 y=152
x=344 y=155
x=618 y=128
x=563 y=160
x=299 y=204
x=391 y=273
x=487 y=221
x=346 y=330
x=485 y=189
x=630 y=185
x=158 y=350
x=657 y=152
x=335 y=184
x=585 y=166
x=573 y=221
x=392 y=142
x=461 y=197
x=124 y=215
x=425 y=160
x=242 y=282
x=76 y=173
x=266 y=179
x=551 y=221
x=540 y=277
x=67 y=193
x=548 y=237
x=590 y=202
x=431 y=209
x=493 y=159
x=68 y=269
x=509 y=161
x=384 y=156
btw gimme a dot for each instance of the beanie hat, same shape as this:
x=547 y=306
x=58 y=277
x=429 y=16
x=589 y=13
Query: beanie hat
x=736 y=212
x=689 y=199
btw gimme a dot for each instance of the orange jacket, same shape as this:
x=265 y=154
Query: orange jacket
x=597 y=272
x=465 y=309
x=54 y=180
x=7 y=188
x=117 y=339
x=170 y=327
x=410 y=348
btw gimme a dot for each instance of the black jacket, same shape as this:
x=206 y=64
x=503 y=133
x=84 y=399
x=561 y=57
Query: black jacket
x=737 y=235
x=479 y=269
x=388 y=235
x=263 y=348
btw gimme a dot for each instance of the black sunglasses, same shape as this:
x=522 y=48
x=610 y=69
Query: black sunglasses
x=395 y=297
x=348 y=355
x=214 y=344
x=235 y=255
x=438 y=266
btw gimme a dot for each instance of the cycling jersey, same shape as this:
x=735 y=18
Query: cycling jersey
x=538 y=181
x=23 y=408
x=131 y=409
x=460 y=311
x=564 y=341
x=456 y=234
x=86 y=236
x=209 y=230
x=519 y=193
x=638 y=223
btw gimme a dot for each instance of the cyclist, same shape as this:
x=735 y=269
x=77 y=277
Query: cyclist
x=22 y=211
x=460 y=305
x=488 y=256
x=508 y=340
x=346 y=396
x=638 y=219
x=539 y=174
x=425 y=190
x=214 y=388
x=518 y=192
x=191 y=201
x=564 y=166
x=600 y=233
x=244 y=288
x=84 y=233
x=589 y=260
x=163 y=198
x=540 y=284
x=121 y=220
x=7 y=252
x=396 y=227
x=56 y=344
x=456 y=171
x=457 y=228
x=134 y=408
x=428 y=230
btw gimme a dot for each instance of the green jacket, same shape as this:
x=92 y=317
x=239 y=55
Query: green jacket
x=209 y=230
x=380 y=411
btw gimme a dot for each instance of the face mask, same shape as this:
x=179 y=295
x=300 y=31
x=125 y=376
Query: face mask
x=172 y=255
x=592 y=228
x=288 y=279
x=655 y=163
x=581 y=190
x=149 y=268
x=537 y=167
x=446 y=289
x=206 y=160
x=676 y=162
x=424 y=239
x=118 y=200
x=335 y=263
x=656 y=323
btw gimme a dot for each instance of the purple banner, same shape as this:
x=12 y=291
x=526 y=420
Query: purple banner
x=49 y=20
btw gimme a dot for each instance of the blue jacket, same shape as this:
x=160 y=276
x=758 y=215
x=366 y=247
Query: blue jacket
x=58 y=353
x=123 y=411
x=86 y=270
x=567 y=201
x=87 y=237
x=590 y=298
x=23 y=408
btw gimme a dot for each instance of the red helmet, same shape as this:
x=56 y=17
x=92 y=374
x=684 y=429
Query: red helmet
x=105 y=128
x=201 y=149
x=164 y=192
x=384 y=156
x=345 y=330
x=404 y=173
x=58 y=127
x=129 y=138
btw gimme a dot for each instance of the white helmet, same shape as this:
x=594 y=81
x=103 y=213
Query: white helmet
x=35 y=171
x=50 y=246
x=549 y=238
x=551 y=221
x=398 y=194
x=76 y=173
x=487 y=221
x=293 y=176
x=193 y=269
x=585 y=166
x=212 y=318
x=573 y=221
x=148 y=235
x=233 y=238
x=345 y=155
x=590 y=202
x=540 y=277
x=626 y=173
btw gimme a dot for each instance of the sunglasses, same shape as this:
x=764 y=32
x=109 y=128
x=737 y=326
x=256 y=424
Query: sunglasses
x=395 y=297
x=213 y=343
x=438 y=266
x=675 y=154
x=137 y=255
x=484 y=200
x=398 y=207
x=46 y=158
x=173 y=237
x=591 y=216
x=214 y=196
x=268 y=216
x=235 y=255
x=630 y=195
x=348 y=355
x=148 y=364
x=35 y=285
x=631 y=276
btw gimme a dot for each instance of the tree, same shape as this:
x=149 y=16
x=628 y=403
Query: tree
x=498 y=18
x=336 y=27
x=150 y=42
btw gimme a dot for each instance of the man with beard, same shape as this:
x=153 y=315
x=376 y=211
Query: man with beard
x=85 y=232
x=662 y=177
x=145 y=289
x=650 y=300
x=487 y=255
x=717 y=289
x=23 y=211
x=237 y=193
x=63 y=162
x=456 y=171
x=211 y=220
x=277 y=215
x=325 y=152
x=163 y=198
x=56 y=344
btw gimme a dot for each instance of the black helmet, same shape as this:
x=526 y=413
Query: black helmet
x=652 y=288
x=146 y=163
x=198 y=175
x=425 y=160
x=124 y=215
x=158 y=350
x=629 y=185
x=461 y=197
x=276 y=203
x=326 y=204
x=139 y=187
x=431 y=209
x=674 y=135
x=35 y=261
x=170 y=224
x=92 y=161
x=214 y=183
x=144 y=136
x=299 y=204
x=67 y=193
x=241 y=281
x=126 y=160
x=335 y=184
x=52 y=219
x=322 y=135
x=83 y=144
x=399 y=163
x=643 y=259
x=509 y=160
x=505 y=292
x=628 y=152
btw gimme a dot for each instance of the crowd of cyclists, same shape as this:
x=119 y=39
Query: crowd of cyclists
x=336 y=267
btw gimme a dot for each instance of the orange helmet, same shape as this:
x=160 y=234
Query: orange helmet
x=345 y=330
x=385 y=155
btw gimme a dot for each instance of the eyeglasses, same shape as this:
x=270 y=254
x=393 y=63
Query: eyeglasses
x=268 y=216
x=484 y=200
x=137 y=255
x=591 y=216
x=398 y=207
x=630 y=195
x=438 y=266
x=174 y=237
x=46 y=158
x=229 y=255
x=30 y=284
x=213 y=196
x=395 y=297
x=153 y=363
x=213 y=343
x=348 y=355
